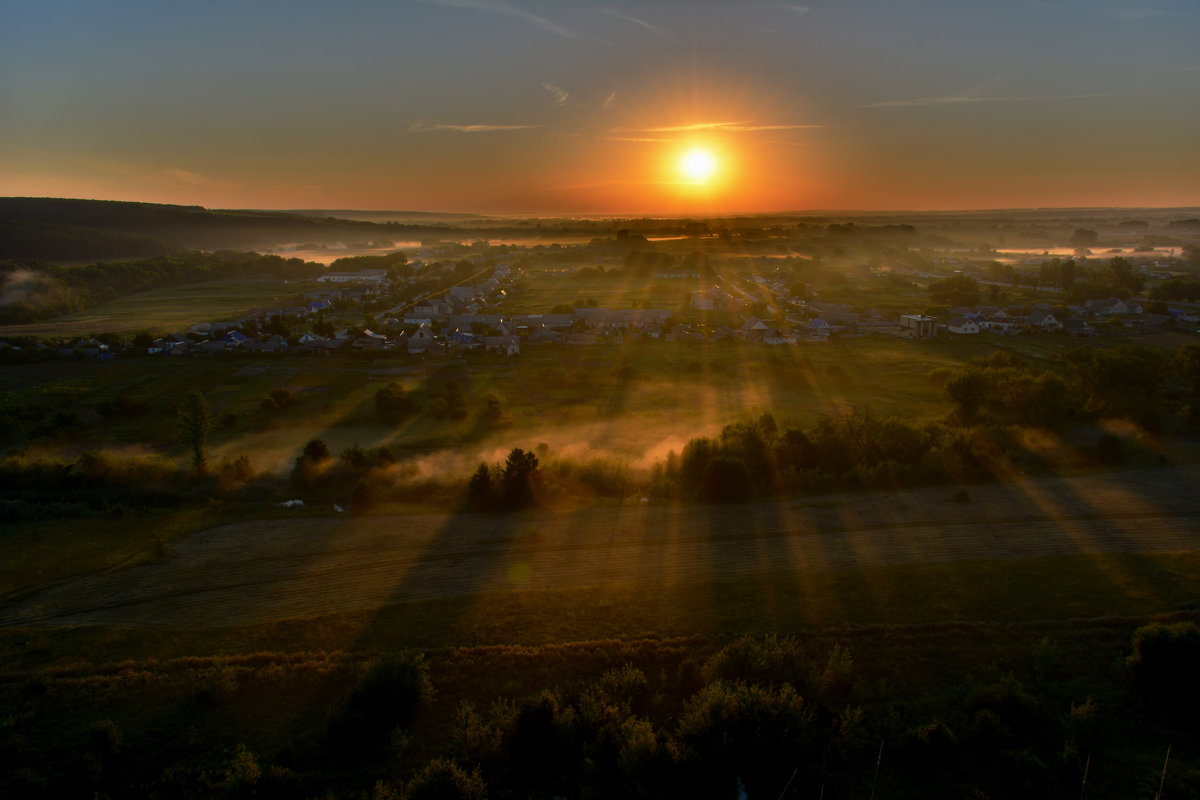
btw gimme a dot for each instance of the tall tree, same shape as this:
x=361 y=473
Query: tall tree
x=519 y=469
x=194 y=420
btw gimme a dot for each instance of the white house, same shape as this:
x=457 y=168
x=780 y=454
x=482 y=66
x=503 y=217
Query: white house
x=962 y=325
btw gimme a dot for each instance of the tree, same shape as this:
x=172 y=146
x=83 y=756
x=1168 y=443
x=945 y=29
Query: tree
x=194 y=420
x=479 y=488
x=516 y=484
x=392 y=404
x=969 y=388
x=957 y=290
x=1165 y=661
x=316 y=450
x=1082 y=237
x=1186 y=366
x=1124 y=280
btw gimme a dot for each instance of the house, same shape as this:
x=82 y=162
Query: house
x=555 y=321
x=506 y=345
x=776 y=336
x=464 y=340
x=753 y=329
x=714 y=299
x=819 y=327
x=1044 y=319
x=431 y=308
x=1076 y=327
x=420 y=340
x=543 y=335
x=962 y=325
x=1113 y=305
x=461 y=295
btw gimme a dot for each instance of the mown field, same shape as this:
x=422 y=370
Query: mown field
x=169 y=310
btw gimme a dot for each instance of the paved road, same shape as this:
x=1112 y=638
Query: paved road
x=268 y=569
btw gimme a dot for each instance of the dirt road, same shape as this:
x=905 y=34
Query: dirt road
x=306 y=566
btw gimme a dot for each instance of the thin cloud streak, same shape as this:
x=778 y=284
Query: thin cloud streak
x=797 y=10
x=174 y=176
x=500 y=7
x=433 y=127
x=654 y=29
x=737 y=127
x=611 y=100
x=961 y=99
x=561 y=95
x=636 y=139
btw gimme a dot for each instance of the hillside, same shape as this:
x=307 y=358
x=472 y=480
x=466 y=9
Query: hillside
x=77 y=230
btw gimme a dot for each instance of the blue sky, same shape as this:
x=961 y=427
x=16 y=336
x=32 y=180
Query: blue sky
x=505 y=106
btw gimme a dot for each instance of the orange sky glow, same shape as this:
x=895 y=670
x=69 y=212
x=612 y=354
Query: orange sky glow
x=525 y=107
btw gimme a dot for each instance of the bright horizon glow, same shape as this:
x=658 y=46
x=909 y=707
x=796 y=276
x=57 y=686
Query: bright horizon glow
x=552 y=109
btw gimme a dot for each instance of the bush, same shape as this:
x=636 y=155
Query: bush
x=443 y=779
x=1165 y=662
x=390 y=694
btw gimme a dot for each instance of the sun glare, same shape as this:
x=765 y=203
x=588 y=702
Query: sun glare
x=698 y=166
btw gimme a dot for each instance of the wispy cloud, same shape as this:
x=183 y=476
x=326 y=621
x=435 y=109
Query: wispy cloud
x=165 y=176
x=561 y=96
x=737 y=127
x=433 y=127
x=793 y=8
x=654 y=29
x=508 y=10
x=611 y=100
x=189 y=178
x=949 y=100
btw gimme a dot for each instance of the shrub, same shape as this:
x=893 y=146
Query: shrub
x=391 y=692
x=443 y=779
x=1165 y=662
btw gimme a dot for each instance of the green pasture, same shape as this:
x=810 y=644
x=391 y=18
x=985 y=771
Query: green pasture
x=623 y=399
x=168 y=310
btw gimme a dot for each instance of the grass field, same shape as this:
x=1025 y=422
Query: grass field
x=570 y=398
x=168 y=310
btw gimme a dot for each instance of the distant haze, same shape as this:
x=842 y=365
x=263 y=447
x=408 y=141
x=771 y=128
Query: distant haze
x=513 y=107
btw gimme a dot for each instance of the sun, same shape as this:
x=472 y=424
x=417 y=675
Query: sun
x=698 y=165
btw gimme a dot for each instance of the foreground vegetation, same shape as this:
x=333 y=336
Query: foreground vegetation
x=966 y=710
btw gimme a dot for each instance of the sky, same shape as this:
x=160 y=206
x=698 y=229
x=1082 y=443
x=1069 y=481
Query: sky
x=571 y=107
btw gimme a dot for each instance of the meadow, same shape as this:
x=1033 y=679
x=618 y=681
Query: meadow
x=168 y=310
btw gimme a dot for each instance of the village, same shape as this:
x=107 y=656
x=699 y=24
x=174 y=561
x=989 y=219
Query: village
x=341 y=314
